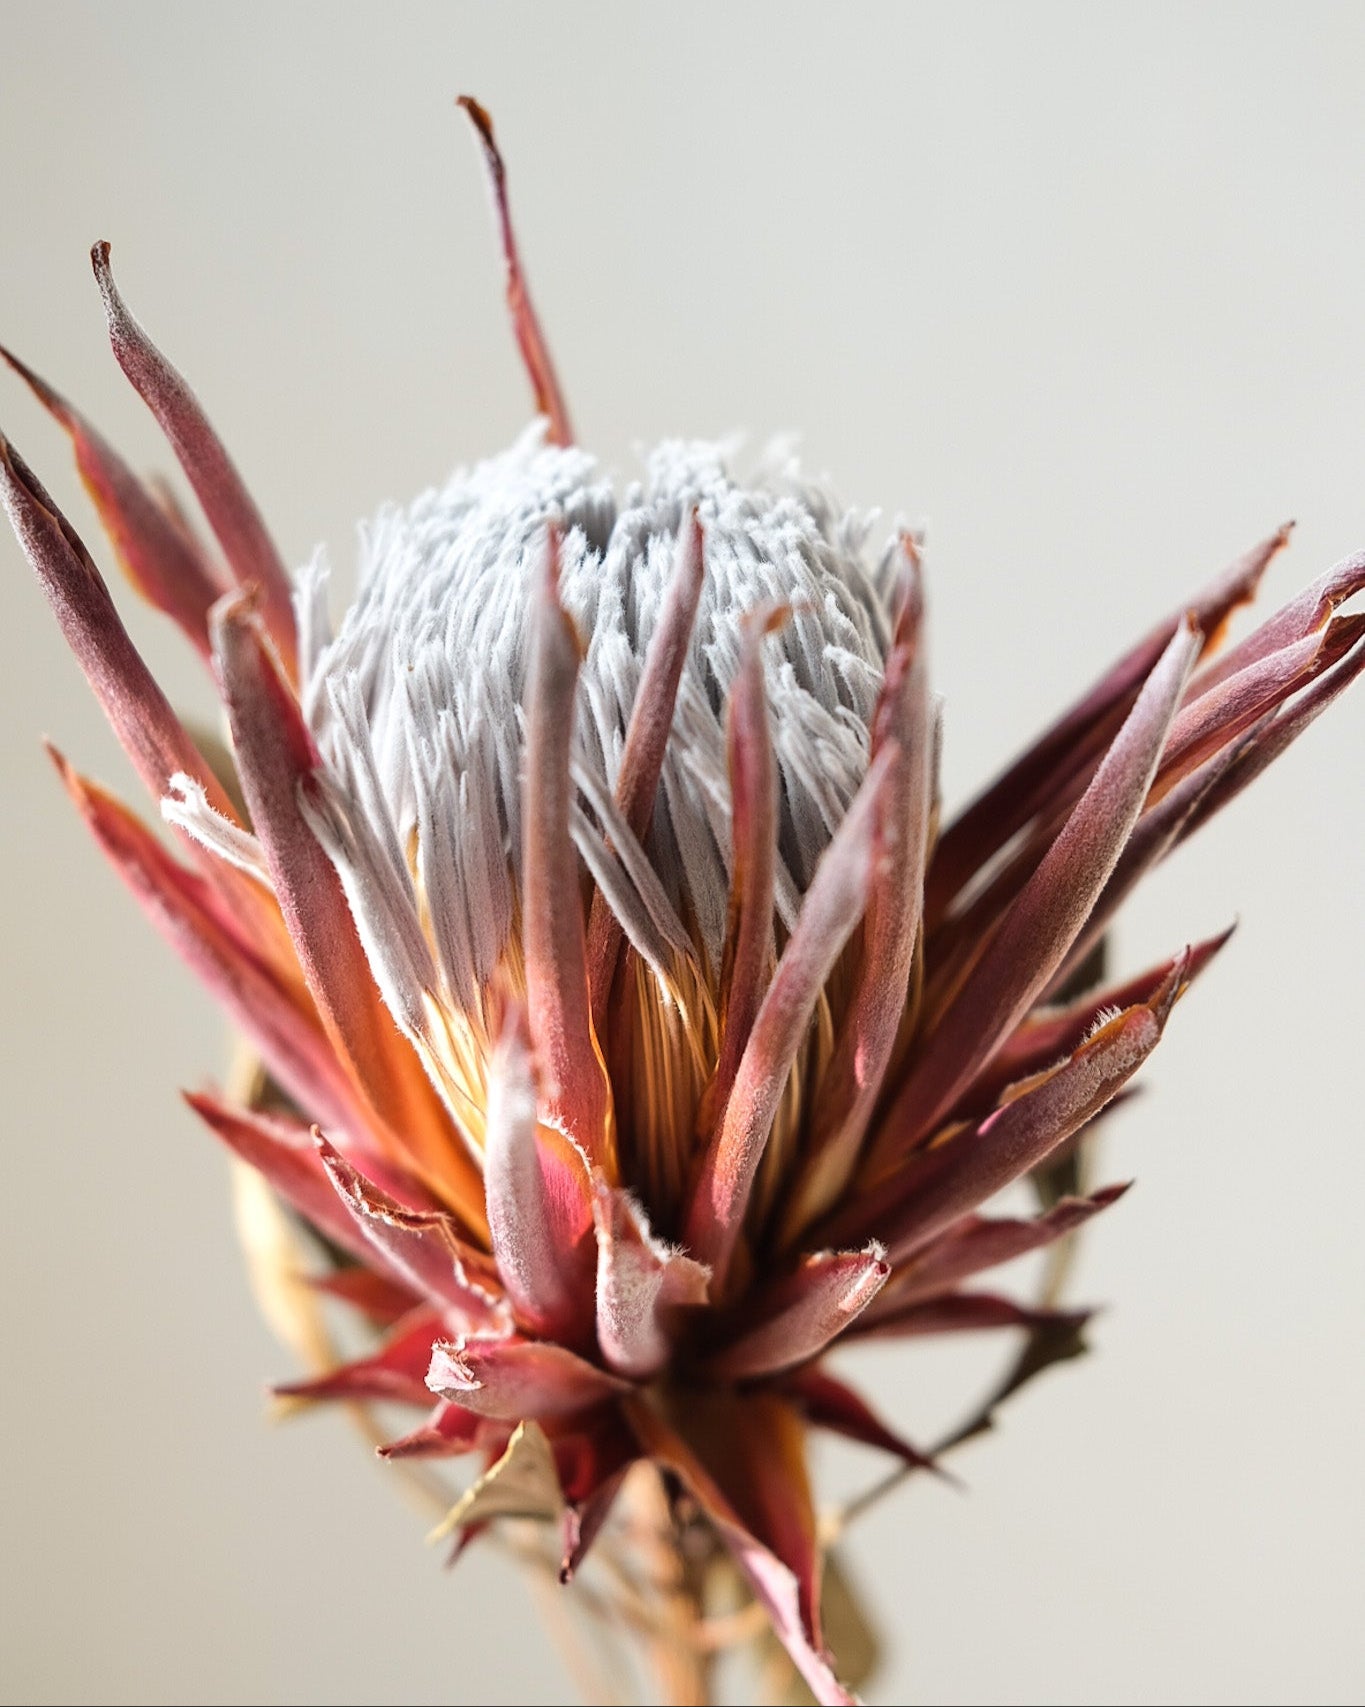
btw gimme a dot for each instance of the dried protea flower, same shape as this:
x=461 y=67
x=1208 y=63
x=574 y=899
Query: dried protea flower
x=628 y=1031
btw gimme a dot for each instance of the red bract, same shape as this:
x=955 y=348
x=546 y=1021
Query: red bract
x=608 y=1189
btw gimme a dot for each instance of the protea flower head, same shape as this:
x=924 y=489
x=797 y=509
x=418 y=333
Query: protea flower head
x=633 y=1032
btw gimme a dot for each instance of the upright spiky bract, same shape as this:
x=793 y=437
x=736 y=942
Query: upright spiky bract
x=634 y=1030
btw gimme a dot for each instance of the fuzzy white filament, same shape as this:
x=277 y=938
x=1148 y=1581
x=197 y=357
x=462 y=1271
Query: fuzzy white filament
x=416 y=702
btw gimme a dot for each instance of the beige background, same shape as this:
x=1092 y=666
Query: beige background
x=1080 y=286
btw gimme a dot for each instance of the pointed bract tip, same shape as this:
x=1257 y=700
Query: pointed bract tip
x=21 y=487
x=63 y=766
x=505 y=1010
x=910 y=548
x=1172 y=987
x=11 y=461
x=235 y=608
x=909 y=611
x=759 y=621
x=554 y=550
x=1263 y=555
x=234 y=621
x=104 y=278
x=50 y=400
x=482 y=120
x=696 y=535
x=78 y=787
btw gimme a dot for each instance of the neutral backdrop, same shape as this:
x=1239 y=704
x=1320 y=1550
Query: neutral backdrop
x=1078 y=286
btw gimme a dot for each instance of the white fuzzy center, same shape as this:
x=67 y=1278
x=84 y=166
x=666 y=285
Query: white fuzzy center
x=417 y=701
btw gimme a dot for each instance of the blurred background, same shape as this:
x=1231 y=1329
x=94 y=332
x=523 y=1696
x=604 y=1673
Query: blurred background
x=1076 y=286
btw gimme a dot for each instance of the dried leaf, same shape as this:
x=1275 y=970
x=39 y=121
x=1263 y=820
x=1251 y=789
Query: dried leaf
x=523 y=1483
